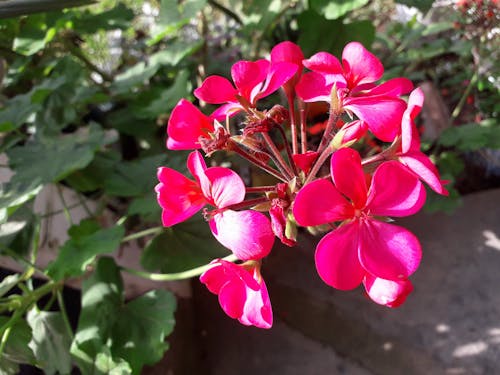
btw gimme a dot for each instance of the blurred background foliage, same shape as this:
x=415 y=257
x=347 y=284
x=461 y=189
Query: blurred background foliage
x=86 y=93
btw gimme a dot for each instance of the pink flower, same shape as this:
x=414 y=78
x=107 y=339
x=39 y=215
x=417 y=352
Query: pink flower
x=247 y=234
x=378 y=106
x=289 y=52
x=387 y=292
x=362 y=245
x=242 y=292
x=186 y=125
x=252 y=81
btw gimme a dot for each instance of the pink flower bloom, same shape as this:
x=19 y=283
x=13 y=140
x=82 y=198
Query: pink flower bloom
x=387 y=292
x=289 y=52
x=247 y=234
x=378 y=106
x=242 y=292
x=362 y=244
x=186 y=125
x=409 y=153
x=252 y=81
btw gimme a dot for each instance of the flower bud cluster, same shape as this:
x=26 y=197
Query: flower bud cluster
x=365 y=168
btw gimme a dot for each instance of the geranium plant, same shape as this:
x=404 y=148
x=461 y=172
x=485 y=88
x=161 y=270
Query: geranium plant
x=365 y=169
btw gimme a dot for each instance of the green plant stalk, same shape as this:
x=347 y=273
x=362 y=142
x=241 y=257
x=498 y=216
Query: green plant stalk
x=64 y=314
x=178 y=275
x=144 y=233
x=458 y=109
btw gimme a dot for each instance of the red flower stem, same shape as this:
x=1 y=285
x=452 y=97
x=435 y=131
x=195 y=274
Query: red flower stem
x=246 y=155
x=303 y=132
x=328 y=134
x=278 y=159
x=245 y=204
x=260 y=189
x=293 y=126
x=321 y=160
x=288 y=150
x=373 y=159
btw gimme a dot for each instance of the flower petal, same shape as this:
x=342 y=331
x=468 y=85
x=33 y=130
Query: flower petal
x=279 y=74
x=226 y=186
x=360 y=65
x=179 y=197
x=348 y=175
x=247 y=234
x=381 y=113
x=393 y=87
x=196 y=165
x=186 y=125
x=249 y=74
x=319 y=202
x=287 y=51
x=257 y=310
x=313 y=87
x=324 y=62
x=395 y=191
x=387 y=292
x=409 y=134
x=216 y=90
x=232 y=297
x=422 y=166
x=337 y=260
x=388 y=251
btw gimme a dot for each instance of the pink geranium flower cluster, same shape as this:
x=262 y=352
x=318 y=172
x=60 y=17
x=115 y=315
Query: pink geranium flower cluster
x=366 y=168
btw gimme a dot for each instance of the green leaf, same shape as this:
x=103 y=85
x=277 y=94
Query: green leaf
x=333 y=9
x=147 y=207
x=313 y=28
x=8 y=283
x=134 y=178
x=102 y=297
x=50 y=341
x=50 y=159
x=31 y=37
x=92 y=177
x=183 y=246
x=17 y=233
x=439 y=203
x=110 y=331
x=142 y=326
x=16 y=348
x=17 y=111
x=474 y=136
x=85 y=243
x=119 y=17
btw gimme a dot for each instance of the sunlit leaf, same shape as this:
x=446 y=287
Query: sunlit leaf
x=86 y=242
x=50 y=341
x=16 y=347
x=333 y=9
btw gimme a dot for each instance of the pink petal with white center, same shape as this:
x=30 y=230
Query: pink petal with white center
x=392 y=87
x=226 y=186
x=247 y=234
x=216 y=90
x=257 y=310
x=388 y=251
x=337 y=260
x=196 y=165
x=225 y=111
x=249 y=74
x=354 y=131
x=324 y=62
x=319 y=202
x=185 y=125
x=409 y=134
x=382 y=114
x=360 y=65
x=313 y=87
x=387 y=292
x=348 y=175
x=395 y=191
x=279 y=74
x=179 y=197
x=422 y=166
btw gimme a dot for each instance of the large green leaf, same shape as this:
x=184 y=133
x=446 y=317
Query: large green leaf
x=313 y=28
x=181 y=247
x=110 y=331
x=17 y=233
x=153 y=317
x=50 y=341
x=86 y=242
x=16 y=347
x=333 y=9
x=119 y=17
x=474 y=136
x=134 y=178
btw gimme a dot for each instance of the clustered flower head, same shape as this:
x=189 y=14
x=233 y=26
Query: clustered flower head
x=364 y=168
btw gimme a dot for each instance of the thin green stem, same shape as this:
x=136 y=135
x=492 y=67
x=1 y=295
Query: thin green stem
x=176 y=276
x=458 y=109
x=64 y=314
x=144 y=233
x=65 y=207
x=5 y=337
